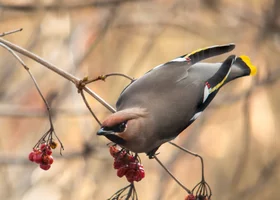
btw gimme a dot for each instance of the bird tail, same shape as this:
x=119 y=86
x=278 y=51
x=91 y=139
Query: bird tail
x=208 y=52
x=243 y=62
x=242 y=66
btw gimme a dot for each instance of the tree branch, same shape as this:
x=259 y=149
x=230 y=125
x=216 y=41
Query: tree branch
x=57 y=70
x=59 y=6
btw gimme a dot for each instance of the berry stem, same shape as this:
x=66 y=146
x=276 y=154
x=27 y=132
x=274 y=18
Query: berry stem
x=55 y=69
x=89 y=108
x=175 y=179
x=194 y=154
x=10 y=32
x=103 y=77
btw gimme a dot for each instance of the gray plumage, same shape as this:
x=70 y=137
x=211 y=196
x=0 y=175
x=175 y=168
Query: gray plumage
x=159 y=105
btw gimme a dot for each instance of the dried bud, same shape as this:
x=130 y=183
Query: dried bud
x=53 y=144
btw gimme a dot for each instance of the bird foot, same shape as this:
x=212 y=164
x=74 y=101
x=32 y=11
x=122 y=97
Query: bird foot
x=152 y=153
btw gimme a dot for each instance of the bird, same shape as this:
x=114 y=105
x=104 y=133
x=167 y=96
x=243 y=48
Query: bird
x=158 y=106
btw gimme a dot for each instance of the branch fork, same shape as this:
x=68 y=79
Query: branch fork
x=81 y=84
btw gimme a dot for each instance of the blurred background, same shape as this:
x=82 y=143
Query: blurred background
x=237 y=135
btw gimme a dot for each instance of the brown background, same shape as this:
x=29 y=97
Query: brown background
x=237 y=135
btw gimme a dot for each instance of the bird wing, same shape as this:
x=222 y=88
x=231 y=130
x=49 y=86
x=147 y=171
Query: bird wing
x=201 y=54
x=171 y=96
x=207 y=52
x=190 y=59
x=174 y=92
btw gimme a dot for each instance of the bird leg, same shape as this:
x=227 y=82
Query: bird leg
x=152 y=153
x=202 y=188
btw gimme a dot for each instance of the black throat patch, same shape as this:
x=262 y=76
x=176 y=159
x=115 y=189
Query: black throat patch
x=116 y=139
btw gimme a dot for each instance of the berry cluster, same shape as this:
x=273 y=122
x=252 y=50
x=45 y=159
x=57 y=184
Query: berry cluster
x=43 y=155
x=193 y=197
x=127 y=165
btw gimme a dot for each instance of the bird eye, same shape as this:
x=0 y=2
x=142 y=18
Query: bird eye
x=122 y=127
x=116 y=128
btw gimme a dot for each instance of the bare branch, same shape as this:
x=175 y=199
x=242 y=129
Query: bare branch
x=15 y=55
x=85 y=100
x=175 y=179
x=40 y=93
x=10 y=32
x=104 y=77
x=57 y=70
x=60 y=6
x=40 y=60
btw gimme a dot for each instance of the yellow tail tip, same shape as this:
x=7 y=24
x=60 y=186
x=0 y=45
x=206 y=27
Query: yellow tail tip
x=253 y=68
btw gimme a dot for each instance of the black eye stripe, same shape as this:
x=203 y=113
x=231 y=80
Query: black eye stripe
x=116 y=128
x=122 y=125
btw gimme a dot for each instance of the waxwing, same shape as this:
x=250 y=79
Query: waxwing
x=158 y=106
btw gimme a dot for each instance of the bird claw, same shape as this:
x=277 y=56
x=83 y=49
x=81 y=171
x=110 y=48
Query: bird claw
x=152 y=153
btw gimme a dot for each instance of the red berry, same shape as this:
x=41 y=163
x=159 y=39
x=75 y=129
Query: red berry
x=130 y=175
x=43 y=146
x=31 y=156
x=140 y=167
x=38 y=157
x=49 y=151
x=131 y=158
x=141 y=173
x=122 y=171
x=130 y=179
x=137 y=176
x=46 y=159
x=190 y=197
x=50 y=160
x=121 y=155
x=133 y=165
x=118 y=164
x=113 y=151
x=45 y=167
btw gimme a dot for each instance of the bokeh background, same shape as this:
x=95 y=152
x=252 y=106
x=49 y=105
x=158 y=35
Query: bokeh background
x=237 y=135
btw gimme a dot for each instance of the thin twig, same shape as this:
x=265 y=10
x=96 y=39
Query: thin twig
x=104 y=77
x=40 y=60
x=51 y=7
x=194 y=154
x=189 y=141
x=10 y=32
x=39 y=91
x=15 y=55
x=89 y=108
x=57 y=70
x=175 y=179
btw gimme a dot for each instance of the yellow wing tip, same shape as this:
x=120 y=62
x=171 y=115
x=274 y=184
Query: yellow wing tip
x=253 y=68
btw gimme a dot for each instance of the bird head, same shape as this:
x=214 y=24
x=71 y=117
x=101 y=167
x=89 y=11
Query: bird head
x=123 y=126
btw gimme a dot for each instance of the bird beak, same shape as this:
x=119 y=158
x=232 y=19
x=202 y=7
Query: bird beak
x=104 y=132
x=111 y=136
